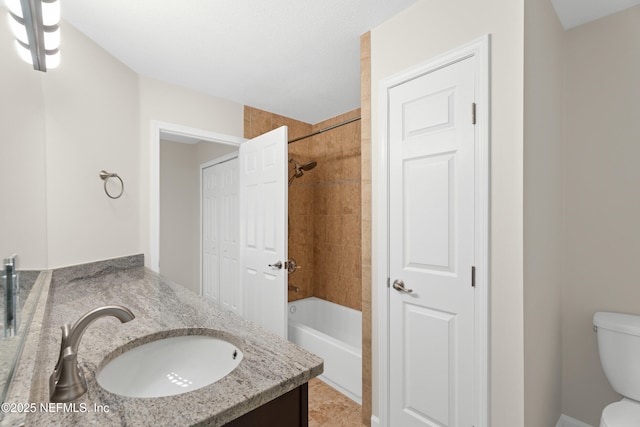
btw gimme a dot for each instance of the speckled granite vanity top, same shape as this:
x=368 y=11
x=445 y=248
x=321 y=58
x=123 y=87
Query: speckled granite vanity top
x=271 y=366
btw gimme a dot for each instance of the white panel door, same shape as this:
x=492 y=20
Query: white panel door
x=211 y=178
x=221 y=235
x=431 y=248
x=263 y=198
x=230 y=289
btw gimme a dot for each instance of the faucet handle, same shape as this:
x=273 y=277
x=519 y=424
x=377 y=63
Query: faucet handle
x=70 y=383
x=63 y=344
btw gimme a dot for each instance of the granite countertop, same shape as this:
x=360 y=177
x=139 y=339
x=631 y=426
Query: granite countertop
x=270 y=367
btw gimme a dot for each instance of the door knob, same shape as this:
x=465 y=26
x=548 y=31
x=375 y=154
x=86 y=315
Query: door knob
x=398 y=285
x=277 y=265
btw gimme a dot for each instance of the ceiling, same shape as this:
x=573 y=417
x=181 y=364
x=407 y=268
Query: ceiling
x=297 y=58
x=573 y=13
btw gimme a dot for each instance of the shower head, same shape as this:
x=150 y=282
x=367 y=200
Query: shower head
x=298 y=170
x=309 y=166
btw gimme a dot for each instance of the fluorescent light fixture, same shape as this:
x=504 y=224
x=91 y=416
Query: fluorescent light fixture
x=36 y=26
x=14 y=7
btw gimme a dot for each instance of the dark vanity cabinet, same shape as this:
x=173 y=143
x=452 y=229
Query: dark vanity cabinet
x=289 y=410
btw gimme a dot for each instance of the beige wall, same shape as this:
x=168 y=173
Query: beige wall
x=91 y=124
x=543 y=213
x=180 y=208
x=68 y=125
x=23 y=216
x=430 y=28
x=169 y=103
x=64 y=126
x=602 y=198
x=179 y=218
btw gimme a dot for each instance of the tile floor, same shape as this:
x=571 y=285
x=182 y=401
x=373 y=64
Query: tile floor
x=328 y=407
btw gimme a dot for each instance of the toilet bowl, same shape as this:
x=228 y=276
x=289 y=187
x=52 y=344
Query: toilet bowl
x=625 y=413
x=619 y=348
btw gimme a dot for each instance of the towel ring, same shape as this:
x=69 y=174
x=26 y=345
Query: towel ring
x=104 y=175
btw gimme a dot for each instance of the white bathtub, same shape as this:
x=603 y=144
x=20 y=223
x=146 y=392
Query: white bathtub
x=334 y=333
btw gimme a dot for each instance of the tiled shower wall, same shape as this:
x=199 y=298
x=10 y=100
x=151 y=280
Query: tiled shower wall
x=336 y=211
x=324 y=207
x=365 y=153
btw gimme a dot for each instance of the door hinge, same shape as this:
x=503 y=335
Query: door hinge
x=388 y=282
x=473 y=113
x=473 y=276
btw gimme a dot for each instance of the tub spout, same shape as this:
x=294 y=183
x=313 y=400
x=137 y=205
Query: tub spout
x=67 y=381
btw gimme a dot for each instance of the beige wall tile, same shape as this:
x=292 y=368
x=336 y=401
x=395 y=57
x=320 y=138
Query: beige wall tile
x=365 y=180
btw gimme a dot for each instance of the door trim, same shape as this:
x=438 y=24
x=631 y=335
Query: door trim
x=480 y=49
x=158 y=129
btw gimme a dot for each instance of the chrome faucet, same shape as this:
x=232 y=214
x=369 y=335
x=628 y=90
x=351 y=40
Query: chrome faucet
x=11 y=293
x=67 y=381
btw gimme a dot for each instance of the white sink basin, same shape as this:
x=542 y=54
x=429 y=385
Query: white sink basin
x=170 y=366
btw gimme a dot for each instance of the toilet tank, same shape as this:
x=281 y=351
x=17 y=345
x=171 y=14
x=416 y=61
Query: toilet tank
x=619 y=347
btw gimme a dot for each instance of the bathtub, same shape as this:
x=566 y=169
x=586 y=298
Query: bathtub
x=334 y=333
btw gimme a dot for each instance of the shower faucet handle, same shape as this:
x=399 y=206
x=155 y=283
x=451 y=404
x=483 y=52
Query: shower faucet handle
x=291 y=265
x=277 y=265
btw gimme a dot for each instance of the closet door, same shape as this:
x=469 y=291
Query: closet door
x=220 y=235
x=230 y=289
x=211 y=195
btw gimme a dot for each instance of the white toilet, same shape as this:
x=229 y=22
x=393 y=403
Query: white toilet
x=619 y=346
